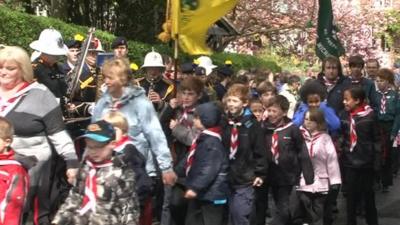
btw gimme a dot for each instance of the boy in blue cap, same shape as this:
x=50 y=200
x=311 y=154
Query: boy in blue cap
x=104 y=192
x=206 y=170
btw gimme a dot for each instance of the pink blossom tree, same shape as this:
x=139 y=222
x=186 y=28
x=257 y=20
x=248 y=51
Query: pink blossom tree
x=289 y=26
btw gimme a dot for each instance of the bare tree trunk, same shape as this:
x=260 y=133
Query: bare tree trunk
x=58 y=9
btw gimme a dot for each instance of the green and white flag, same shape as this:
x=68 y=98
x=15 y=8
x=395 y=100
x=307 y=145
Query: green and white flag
x=328 y=42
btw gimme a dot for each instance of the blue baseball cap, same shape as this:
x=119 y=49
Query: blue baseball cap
x=100 y=131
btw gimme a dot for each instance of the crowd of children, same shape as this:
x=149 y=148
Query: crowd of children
x=234 y=141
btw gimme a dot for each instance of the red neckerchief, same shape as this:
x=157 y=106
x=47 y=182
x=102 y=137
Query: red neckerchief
x=234 y=138
x=213 y=131
x=382 y=108
x=5 y=104
x=361 y=111
x=184 y=118
x=274 y=143
x=122 y=143
x=310 y=139
x=90 y=198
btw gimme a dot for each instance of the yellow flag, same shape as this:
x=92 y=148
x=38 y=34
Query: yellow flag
x=191 y=20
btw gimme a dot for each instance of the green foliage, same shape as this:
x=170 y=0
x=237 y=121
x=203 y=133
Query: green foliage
x=392 y=32
x=291 y=64
x=394 y=21
x=246 y=61
x=20 y=29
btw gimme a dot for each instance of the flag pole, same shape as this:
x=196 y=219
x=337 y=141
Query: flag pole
x=176 y=54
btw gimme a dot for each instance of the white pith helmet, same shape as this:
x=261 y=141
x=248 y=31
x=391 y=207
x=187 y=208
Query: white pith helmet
x=153 y=59
x=50 y=42
x=206 y=63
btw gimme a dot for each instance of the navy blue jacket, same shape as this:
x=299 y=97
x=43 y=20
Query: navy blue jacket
x=136 y=161
x=335 y=95
x=208 y=174
x=367 y=85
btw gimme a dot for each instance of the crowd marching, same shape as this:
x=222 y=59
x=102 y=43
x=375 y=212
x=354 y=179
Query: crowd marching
x=199 y=145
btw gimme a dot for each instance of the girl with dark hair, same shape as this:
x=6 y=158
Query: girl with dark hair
x=361 y=140
x=387 y=111
x=313 y=95
x=311 y=198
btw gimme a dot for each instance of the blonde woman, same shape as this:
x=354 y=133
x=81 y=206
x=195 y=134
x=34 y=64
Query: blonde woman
x=144 y=126
x=37 y=119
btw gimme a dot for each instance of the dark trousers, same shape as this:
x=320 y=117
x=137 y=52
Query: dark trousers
x=281 y=196
x=360 y=187
x=178 y=205
x=261 y=204
x=38 y=198
x=308 y=208
x=241 y=205
x=205 y=213
x=385 y=157
x=330 y=202
x=158 y=197
x=395 y=160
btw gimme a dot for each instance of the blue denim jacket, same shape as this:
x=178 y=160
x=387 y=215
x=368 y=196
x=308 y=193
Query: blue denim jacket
x=144 y=126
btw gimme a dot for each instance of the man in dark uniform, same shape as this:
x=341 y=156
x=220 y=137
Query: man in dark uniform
x=45 y=68
x=120 y=47
x=48 y=72
x=158 y=89
x=74 y=48
x=85 y=95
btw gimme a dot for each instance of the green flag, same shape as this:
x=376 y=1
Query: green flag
x=327 y=42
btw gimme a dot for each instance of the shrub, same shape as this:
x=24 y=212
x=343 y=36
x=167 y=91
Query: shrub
x=20 y=29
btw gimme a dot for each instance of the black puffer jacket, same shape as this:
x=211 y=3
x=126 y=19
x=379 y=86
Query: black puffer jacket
x=362 y=155
x=293 y=156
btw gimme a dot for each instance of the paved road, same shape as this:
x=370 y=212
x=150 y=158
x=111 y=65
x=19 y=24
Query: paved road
x=388 y=205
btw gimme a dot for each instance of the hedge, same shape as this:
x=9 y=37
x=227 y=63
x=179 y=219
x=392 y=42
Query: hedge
x=20 y=29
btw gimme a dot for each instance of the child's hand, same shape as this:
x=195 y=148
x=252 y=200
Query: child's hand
x=257 y=182
x=174 y=103
x=190 y=194
x=172 y=124
x=71 y=175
